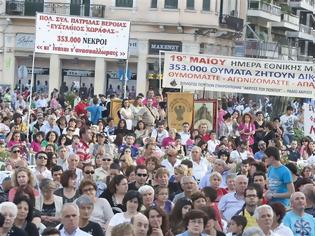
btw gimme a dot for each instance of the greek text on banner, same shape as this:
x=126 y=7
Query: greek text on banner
x=81 y=36
x=239 y=75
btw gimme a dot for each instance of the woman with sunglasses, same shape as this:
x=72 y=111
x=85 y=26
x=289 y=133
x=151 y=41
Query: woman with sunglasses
x=88 y=172
x=102 y=211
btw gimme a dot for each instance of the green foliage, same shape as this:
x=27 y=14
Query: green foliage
x=70 y=98
x=298 y=134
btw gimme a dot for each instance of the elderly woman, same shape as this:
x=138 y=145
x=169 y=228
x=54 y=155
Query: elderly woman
x=132 y=203
x=147 y=193
x=215 y=182
x=9 y=211
x=195 y=222
x=102 y=211
x=25 y=216
x=86 y=207
x=49 y=204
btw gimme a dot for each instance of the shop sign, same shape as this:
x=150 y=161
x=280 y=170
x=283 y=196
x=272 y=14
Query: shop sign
x=162 y=45
x=133 y=47
x=25 y=41
x=78 y=73
x=38 y=71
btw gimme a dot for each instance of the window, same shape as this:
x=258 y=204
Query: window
x=124 y=3
x=153 y=3
x=190 y=4
x=206 y=5
x=171 y=4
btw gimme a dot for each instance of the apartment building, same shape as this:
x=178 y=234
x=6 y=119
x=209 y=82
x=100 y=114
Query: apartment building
x=280 y=29
x=192 y=26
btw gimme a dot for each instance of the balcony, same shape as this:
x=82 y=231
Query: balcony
x=21 y=8
x=288 y=52
x=265 y=12
x=288 y=22
x=256 y=49
x=231 y=22
x=308 y=5
x=305 y=33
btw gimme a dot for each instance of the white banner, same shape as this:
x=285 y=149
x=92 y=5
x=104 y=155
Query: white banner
x=82 y=36
x=239 y=75
x=309 y=120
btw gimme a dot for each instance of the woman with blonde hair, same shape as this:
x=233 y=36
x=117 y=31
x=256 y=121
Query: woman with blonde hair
x=215 y=182
x=22 y=177
x=125 y=161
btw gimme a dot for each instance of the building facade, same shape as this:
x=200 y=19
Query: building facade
x=191 y=26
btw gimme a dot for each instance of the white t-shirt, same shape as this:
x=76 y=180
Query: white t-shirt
x=287 y=123
x=237 y=156
x=118 y=218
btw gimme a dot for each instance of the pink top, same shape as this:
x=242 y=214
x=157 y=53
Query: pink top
x=36 y=146
x=167 y=142
x=247 y=129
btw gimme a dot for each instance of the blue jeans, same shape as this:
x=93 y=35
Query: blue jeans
x=287 y=139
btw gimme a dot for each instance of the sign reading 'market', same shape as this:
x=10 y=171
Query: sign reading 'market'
x=82 y=36
x=239 y=75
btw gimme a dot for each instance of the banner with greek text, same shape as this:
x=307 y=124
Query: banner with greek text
x=180 y=108
x=309 y=120
x=82 y=36
x=239 y=75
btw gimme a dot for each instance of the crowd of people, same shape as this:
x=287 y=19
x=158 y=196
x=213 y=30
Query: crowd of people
x=71 y=170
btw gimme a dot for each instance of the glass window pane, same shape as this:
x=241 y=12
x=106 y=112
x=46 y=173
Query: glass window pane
x=153 y=3
x=190 y=4
x=124 y=3
x=171 y=4
x=206 y=5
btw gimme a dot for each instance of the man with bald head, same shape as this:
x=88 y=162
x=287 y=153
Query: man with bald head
x=140 y=224
x=301 y=223
x=233 y=202
x=70 y=221
x=309 y=192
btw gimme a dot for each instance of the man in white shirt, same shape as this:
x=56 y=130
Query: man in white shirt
x=200 y=165
x=239 y=154
x=264 y=219
x=232 y=202
x=213 y=142
x=171 y=162
x=41 y=171
x=70 y=220
x=159 y=133
x=185 y=134
x=73 y=162
x=51 y=125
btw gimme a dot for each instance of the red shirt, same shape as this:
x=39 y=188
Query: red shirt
x=140 y=160
x=83 y=151
x=80 y=109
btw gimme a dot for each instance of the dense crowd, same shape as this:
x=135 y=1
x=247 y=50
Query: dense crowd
x=69 y=169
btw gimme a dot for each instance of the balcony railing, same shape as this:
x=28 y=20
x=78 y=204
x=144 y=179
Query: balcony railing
x=231 y=22
x=290 y=19
x=305 y=29
x=253 y=48
x=22 y=8
x=266 y=7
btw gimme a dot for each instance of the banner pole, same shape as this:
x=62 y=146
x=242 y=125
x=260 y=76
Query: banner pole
x=126 y=79
x=160 y=73
x=30 y=99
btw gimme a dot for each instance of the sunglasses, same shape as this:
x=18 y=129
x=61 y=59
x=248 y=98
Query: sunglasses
x=105 y=159
x=142 y=175
x=42 y=157
x=16 y=151
x=89 y=172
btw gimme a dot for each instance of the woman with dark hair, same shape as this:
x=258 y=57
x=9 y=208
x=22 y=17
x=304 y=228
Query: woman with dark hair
x=260 y=129
x=195 y=222
x=115 y=193
x=228 y=126
x=37 y=141
x=212 y=226
x=277 y=226
x=180 y=209
x=126 y=113
x=62 y=123
x=24 y=216
x=307 y=172
x=141 y=132
x=247 y=129
x=269 y=135
x=132 y=203
x=51 y=138
x=64 y=140
x=304 y=151
x=121 y=131
x=158 y=221
x=68 y=182
x=102 y=211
